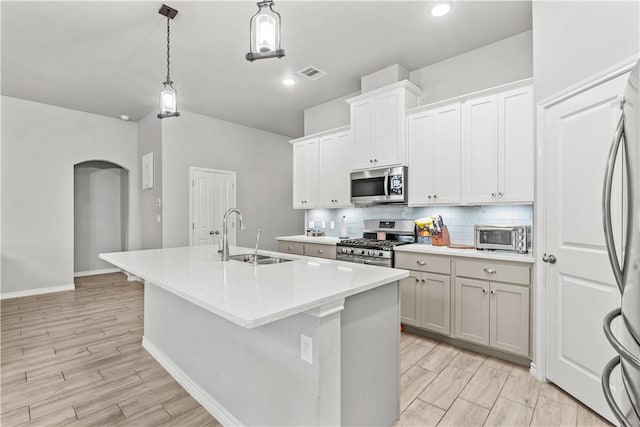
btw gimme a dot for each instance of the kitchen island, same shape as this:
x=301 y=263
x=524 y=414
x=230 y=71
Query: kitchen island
x=305 y=342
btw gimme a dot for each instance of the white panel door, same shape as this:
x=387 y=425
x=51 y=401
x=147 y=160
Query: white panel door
x=311 y=148
x=212 y=193
x=388 y=147
x=299 y=175
x=515 y=145
x=445 y=155
x=480 y=141
x=328 y=170
x=420 y=133
x=580 y=288
x=362 y=130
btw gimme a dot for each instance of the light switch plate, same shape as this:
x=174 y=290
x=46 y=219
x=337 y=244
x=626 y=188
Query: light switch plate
x=158 y=218
x=324 y=224
x=312 y=224
x=306 y=349
x=332 y=225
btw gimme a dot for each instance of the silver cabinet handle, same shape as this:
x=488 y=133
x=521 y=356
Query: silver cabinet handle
x=493 y=292
x=484 y=291
x=370 y=161
x=493 y=194
x=417 y=280
x=421 y=262
x=429 y=196
x=375 y=160
x=214 y=232
x=619 y=271
x=320 y=251
x=551 y=259
x=435 y=196
x=289 y=248
x=500 y=194
x=424 y=280
x=489 y=270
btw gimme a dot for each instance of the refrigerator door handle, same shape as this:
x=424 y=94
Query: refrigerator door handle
x=629 y=357
x=606 y=388
x=618 y=138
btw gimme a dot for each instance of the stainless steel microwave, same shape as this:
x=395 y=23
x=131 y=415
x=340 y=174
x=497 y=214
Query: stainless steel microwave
x=384 y=185
x=515 y=238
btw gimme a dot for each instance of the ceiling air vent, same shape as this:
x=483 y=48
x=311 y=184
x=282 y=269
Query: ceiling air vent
x=312 y=73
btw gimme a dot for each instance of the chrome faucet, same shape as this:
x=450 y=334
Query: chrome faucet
x=225 y=239
x=255 y=254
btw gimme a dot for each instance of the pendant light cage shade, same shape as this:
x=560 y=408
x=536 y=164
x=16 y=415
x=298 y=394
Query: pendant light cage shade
x=264 y=33
x=168 y=94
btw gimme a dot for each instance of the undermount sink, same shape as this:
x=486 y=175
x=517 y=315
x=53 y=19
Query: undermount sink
x=262 y=259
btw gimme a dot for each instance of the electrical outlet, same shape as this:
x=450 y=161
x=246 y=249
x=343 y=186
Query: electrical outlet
x=312 y=224
x=306 y=348
x=324 y=224
x=158 y=219
x=332 y=225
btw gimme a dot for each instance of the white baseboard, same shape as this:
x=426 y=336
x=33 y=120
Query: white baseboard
x=96 y=272
x=37 y=291
x=205 y=399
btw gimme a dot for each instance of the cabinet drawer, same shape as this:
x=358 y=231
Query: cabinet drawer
x=423 y=262
x=494 y=271
x=291 y=247
x=320 y=251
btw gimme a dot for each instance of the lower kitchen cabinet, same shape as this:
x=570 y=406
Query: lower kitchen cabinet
x=493 y=314
x=425 y=301
x=309 y=249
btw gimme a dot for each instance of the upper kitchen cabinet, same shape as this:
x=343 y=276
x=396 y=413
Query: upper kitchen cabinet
x=434 y=156
x=334 y=167
x=305 y=173
x=497 y=138
x=378 y=127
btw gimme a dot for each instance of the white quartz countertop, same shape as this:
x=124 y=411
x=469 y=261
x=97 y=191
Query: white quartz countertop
x=247 y=295
x=323 y=240
x=469 y=253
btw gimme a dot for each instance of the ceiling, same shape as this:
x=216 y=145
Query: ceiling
x=109 y=57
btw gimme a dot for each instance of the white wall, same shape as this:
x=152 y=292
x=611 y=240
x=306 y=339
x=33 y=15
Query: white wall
x=98 y=214
x=328 y=115
x=573 y=40
x=40 y=145
x=492 y=65
x=150 y=141
x=262 y=161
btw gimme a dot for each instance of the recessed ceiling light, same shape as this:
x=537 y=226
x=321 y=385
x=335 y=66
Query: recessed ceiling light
x=124 y=117
x=288 y=81
x=440 y=7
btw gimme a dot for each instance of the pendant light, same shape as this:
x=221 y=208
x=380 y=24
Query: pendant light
x=264 y=33
x=168 y=94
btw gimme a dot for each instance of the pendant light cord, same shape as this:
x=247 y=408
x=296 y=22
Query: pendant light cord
x=168 y=63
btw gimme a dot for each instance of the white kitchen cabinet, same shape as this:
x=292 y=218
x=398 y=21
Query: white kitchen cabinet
x=472 y=310
x=434 y=138
x=425 y=301
x=410 y=299
x=497 y=135
x=335 y=151
x=305 y=173
x=509 y=318
x=378 y=126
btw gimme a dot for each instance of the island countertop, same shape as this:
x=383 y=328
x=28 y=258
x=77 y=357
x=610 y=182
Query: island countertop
x=247 y=295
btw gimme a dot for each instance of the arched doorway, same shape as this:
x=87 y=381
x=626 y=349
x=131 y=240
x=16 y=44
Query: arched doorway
x=101 y=194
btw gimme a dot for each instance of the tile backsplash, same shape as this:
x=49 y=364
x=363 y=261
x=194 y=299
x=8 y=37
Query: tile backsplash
x=459 y=219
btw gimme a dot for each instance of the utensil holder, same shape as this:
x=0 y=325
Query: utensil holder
x=441 y=239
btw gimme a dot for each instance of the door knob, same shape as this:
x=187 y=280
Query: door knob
x=214 y=232
x=551 y=259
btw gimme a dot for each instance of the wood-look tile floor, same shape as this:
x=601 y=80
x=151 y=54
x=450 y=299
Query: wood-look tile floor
x=75 y=358
x=442 y=385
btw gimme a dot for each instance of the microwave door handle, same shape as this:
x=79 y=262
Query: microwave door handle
x=386 y=184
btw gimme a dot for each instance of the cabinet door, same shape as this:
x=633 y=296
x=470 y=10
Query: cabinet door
x=362 y=130
x=515 y=145
x=472 y=310
x=410 y=296
x=328 y=170
x=445 y=155
x=509 y=318
x=480 y=142
x=420 y=133
x=312 y=173
x=436 y=298
x=342 y=170
x=388 y=145
x=299 y=175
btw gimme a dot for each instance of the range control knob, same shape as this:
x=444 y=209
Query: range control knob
x=381 y=253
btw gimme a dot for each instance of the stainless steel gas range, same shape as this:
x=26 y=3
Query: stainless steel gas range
x=376 y=245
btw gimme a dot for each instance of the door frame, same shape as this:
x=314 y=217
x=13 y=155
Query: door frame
x=193 y=169
x=538 y=364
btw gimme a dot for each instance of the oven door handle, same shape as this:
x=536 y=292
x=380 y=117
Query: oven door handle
x=386 y=184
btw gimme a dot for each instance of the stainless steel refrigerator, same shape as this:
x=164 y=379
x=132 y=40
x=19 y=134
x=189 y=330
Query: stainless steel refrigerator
x=625 y=262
